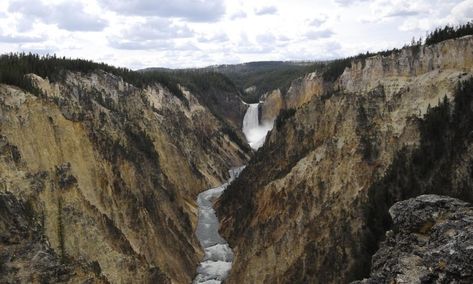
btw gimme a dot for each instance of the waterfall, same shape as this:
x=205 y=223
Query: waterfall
x=254 y=131
x=251 y=119
x=218 y=257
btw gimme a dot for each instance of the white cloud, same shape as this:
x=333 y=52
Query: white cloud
x=141 y=45
x=318 y=34
x=214 y=38
x=190 y=33
x=383 y=10
x=265 y=39
x=238 y=15
x=21 y=38
x=403 y=13
x=268 y=10
x=317 y=21
x=38 y=49
x=151 y=34
x=157 y=28
x=198 y=11
x=348 y=2
x=462 y=12
x=66 y=15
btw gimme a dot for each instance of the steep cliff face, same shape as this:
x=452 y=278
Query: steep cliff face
x=364 y=75
x=273 y=103
x=111 y=173
x=299 y=93
x=221 y=97
x=24 y=249
x=298 y=212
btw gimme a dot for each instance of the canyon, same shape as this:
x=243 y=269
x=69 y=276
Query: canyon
x=304 y=209
x=107 y=181
x=109 y=174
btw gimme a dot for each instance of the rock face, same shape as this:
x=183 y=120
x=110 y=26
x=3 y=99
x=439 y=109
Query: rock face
x=219 y=95
x=26 y=256
x=299 y=93
x=365 y=75
x=303 y=89
x=432 y=242
x=111 y=173
x=272 y=104
x=297 y=214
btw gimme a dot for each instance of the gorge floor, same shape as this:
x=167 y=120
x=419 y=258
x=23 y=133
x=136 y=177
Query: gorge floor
x=218 y=257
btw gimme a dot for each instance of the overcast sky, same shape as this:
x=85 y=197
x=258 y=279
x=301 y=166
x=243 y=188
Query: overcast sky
x=196 y=33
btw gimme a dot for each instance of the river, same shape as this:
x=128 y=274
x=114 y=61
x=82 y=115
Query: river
x=218 y=257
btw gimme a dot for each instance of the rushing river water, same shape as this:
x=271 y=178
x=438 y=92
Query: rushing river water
x=218 y=257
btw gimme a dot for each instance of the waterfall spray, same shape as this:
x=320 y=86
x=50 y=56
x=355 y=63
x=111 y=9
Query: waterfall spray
x=254 y=131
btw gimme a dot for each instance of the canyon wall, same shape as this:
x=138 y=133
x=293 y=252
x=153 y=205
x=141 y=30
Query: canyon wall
x=299 y=213
x=299 y=93
x=108 y=174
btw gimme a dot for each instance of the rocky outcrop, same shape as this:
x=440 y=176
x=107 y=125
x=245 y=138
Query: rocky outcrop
x=431 y=242
x=301 y=91
x=111 y=172
x=273 y=103
x=298 y=212
x=304 y=89
x=407 y=64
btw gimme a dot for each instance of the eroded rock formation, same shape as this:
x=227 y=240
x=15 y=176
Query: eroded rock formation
x=431 y=242
x=111 y=173
x=298 y=212
x=26 y=255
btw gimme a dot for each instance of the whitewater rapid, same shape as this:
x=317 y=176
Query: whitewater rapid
x=254 y=131
x=218 y=257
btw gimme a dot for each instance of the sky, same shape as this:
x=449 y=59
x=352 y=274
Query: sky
x=196 y=33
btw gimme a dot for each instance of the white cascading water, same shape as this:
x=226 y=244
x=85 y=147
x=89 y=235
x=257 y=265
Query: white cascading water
x=254 y=131
x=218 y=257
